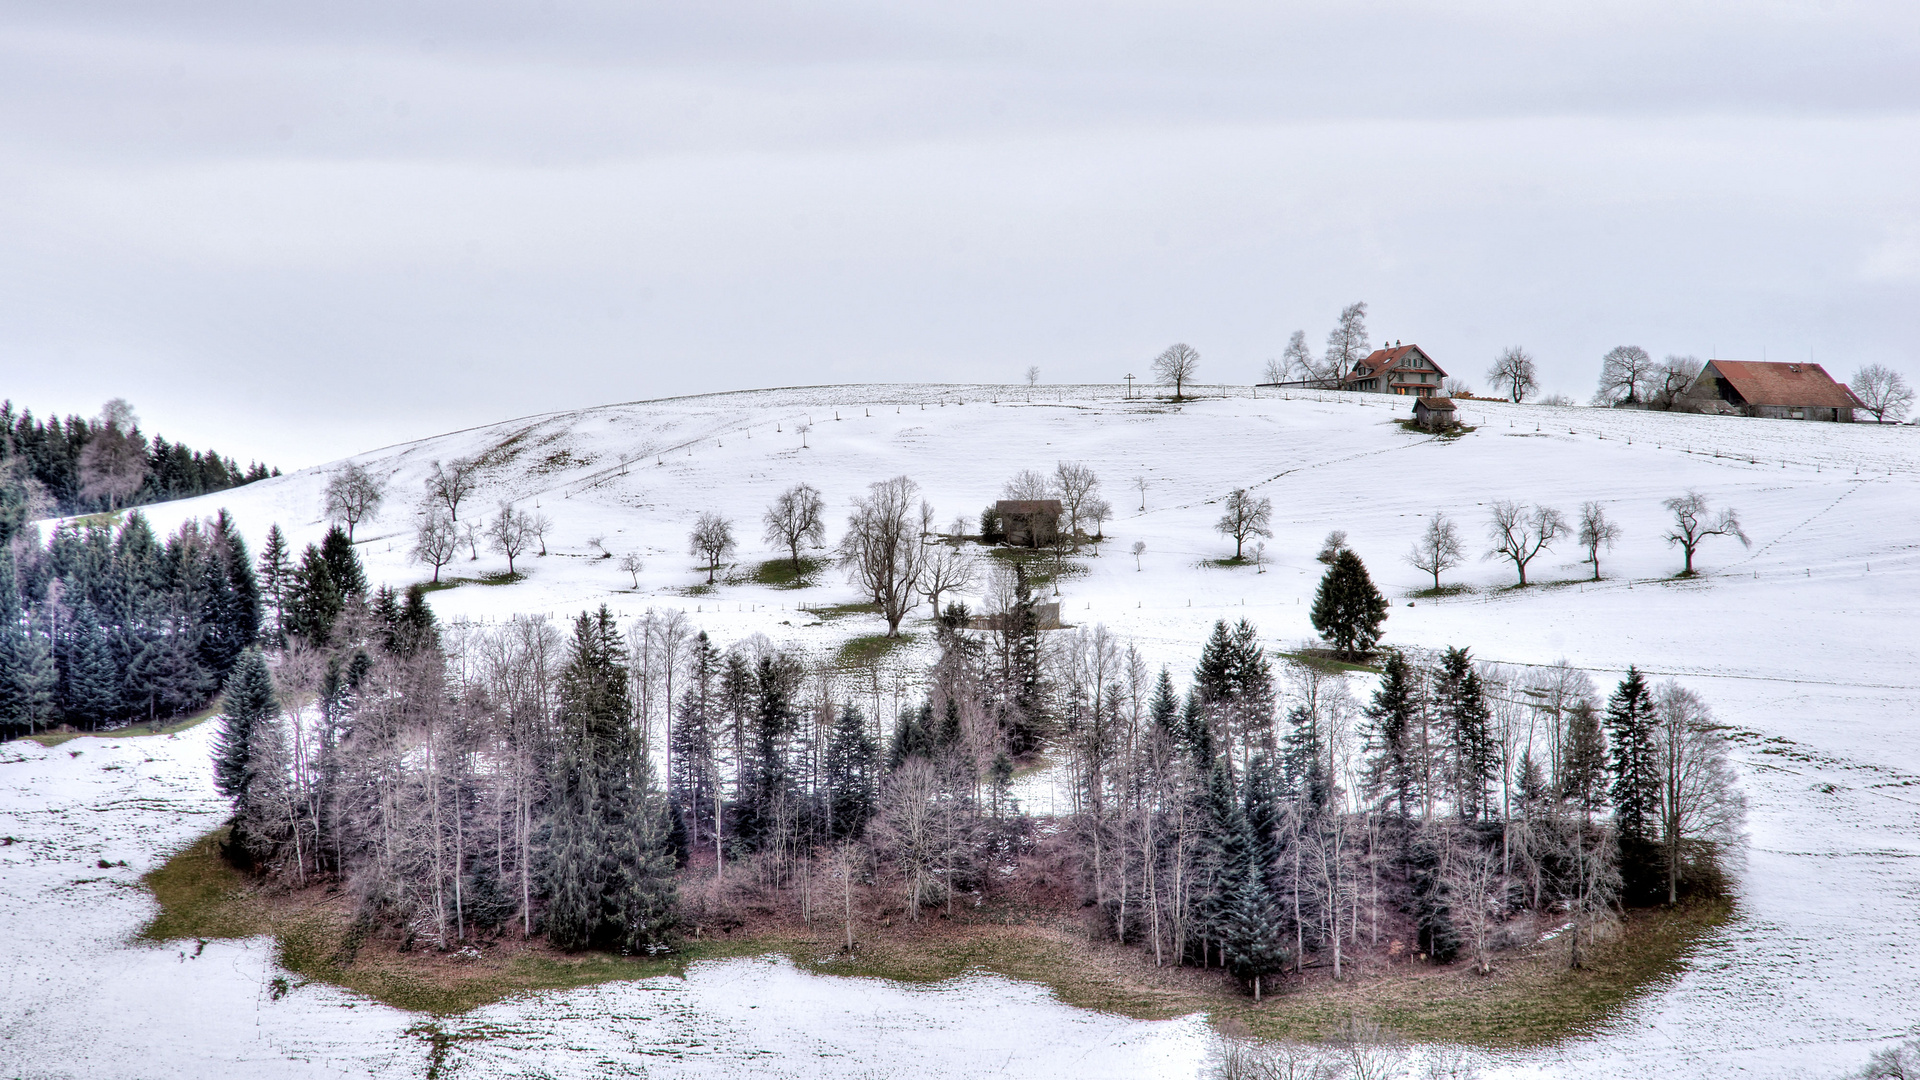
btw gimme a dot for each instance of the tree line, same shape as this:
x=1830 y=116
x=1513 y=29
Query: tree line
x=101 y=626
x=625 y=787
x=81 y=466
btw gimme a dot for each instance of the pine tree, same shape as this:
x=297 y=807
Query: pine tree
x=1466 y=719
x=1347 y=609
x=591 y=864
x=850 y=780
x=1391 y=770
x=1583 y=760
x=276 y=578
x=250 y=705
x=343 y=563
x=1635 y=791
x=231 y=611
x=646 y=883
x=1303 y=760
x=314 y=599
x=90 y=678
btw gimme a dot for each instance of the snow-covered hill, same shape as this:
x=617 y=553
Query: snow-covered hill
x=1806 y=642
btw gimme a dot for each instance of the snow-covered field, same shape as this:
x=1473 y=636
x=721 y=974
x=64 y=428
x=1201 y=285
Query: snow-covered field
x=1807 y=641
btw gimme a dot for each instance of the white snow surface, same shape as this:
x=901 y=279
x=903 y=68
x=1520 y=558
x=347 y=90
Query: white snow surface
x=1805 y=644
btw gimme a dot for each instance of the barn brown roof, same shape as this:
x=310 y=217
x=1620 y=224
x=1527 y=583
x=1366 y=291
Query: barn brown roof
x=1794 y=385
x=1439 y=402
x=1027 y=506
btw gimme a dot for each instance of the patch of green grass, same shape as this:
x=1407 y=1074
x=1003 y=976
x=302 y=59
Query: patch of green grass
x=1326 y=661
x=502 y=578
x=1043 y=565
x=1531 y=999
x=1229 y=562
x=702 y=589
x=1444 y=590
x=782 y=574
x=131 y=731
x=830 y=612
x=868 y=649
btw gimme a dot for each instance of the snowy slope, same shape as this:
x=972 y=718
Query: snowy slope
x=1807 y=640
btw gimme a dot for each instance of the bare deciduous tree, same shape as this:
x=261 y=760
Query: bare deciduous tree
x=509 y=533
x=1514 y=370
x=1244 y=517
x=1347 y=344
x=353 y=495
x=884 y=549
x=470 y=536
x=1332 y=546
x=1883 y=391
x=1624 y=373
x=1438 y=548
x=712 y=539
x=1074 y=483
x=451 y=484
x=1694 y=521
x=1175 y=367
x=1139 y=549
x=113 y=464
x=797 y=517
x=1027 y=485
x=948 y=569
x=1671 y=380
x=1297 y=361
x=1519 y=533
x=435 y=542
x=1702 y=811
x=1095 y=513
x=633 y=564
x=541 y=524
x=1596 y=531
x=1454 y=386
x=1033 y=375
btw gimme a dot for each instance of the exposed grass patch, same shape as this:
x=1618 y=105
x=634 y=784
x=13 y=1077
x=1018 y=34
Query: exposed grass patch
x=868 y=649
x=782 y=574
x=1531 y=999
x=1459 y=589
x=1326 y=661
x=830 y=612
x=171 y=727
x=702 y=589
x=451 y=582
x=1043 y=566
x=1228 y=563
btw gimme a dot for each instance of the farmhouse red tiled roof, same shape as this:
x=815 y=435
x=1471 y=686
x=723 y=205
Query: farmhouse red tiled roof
x=1027 y=506
x=1383 y=359
x=1781 y=384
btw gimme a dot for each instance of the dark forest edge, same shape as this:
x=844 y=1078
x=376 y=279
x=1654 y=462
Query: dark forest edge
x=56 y=468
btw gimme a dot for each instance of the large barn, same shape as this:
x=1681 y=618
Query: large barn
x=1779 y=391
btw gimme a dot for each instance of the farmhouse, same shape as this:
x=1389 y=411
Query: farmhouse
x=1776 y=390
x=1434 y=412
x=1029 y=522
x=1401 y=369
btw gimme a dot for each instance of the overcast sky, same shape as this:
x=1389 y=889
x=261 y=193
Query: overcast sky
x=293 y=231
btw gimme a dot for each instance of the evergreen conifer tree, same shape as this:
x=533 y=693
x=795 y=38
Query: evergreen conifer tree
x=314 y=600
x=851 y=784
x=1635 y=790
x=250 y=704
x=1583 y=760
x=1391 y=770
x=1347 y=609
x=343 y=563
x=1466 y=719
x=276 y=578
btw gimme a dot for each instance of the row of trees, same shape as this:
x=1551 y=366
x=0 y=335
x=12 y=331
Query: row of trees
x=82 y=466
x=101 y=627
x=1518 y=533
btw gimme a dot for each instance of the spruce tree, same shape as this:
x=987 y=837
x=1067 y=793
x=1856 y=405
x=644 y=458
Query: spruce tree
x=343 y=563
x=314 y=600
x=591 y=863
x=1467 y=721
x=276 y=578
x=1391 y=769
x=249 y=705
x=1635 y=791
x=90 y=678
x=1583 y=760
x=1303 y=760
x=1347 y=609
x=851 y=783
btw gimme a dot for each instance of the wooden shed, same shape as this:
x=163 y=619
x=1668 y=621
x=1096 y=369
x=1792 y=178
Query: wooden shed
x=1435 y=413
x=1029 y=522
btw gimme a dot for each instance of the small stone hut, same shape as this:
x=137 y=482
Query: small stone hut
x=1029 y=522
x=1435 y=413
